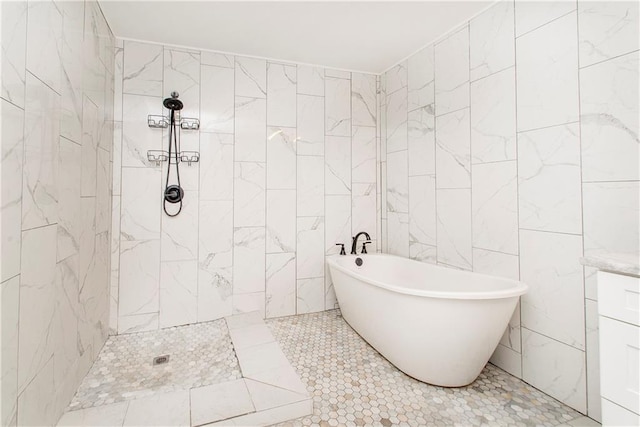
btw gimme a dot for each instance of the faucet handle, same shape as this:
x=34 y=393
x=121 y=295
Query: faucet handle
x=364 y=247
x=342 y=252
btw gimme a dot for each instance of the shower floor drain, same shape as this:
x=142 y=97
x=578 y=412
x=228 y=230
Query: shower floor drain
x=161 y=360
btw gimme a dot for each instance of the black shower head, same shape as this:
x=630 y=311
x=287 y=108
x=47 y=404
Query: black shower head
x=173 y=104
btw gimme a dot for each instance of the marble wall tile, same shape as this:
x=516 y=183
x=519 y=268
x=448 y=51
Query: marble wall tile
x=453 y=213
x=251 y=77
x=281 y=221
x=182 y=75
x=397 y=182
x=216 y=166
x=310 y=80
x=609 y=123
x=493 y=117
x=554 y=305
x=65 y=325
x=364 y=211
x=249 y=194
x=72 y=70
x=35 y=407
x=143 y=67
x=116 y=155
x=280 y=284
x=137 y=136
x=141 y=204
x=14 y=50
x=69 y=158
x=337 y=223
x=250 y=130
x=215 y=259
x=246 y=303
x=363 y=154
x=44 y=43
x=217 y=59
x=118 y=63
x=606 y=30
x=555 y=368
x=37 y=292
x=337 y=107
x=217 y=99
x=397 y=129
x=532 y=15
x=310 y=247
x=491 y=36
x=398 y=234
x=248 y=260
x=422 y=209
x=179 y=234
x=453 y=150
x=423 y=253
x=115 y=264
x=12 y=160
x=178 y=293
x=337 y=161
x=138 y=323
x=310 y=186
x=139 y=277
x=593 y=360
x=86 y=255
x=103 y=192
x=494 y=206
x=611 y=224
x=547 y=77
x=310 y=295
x=281 y=158
x=339 y=74
x=363 y=99
x=396 y=78
x=452 y=72
x=39 y=186
x=421 y=141
x=496 y=264
x=90 y=140
x=10 y=302
x=310 y=117
x=549 y=179
x=508 y=360
x=420 y=78
x=281 y=95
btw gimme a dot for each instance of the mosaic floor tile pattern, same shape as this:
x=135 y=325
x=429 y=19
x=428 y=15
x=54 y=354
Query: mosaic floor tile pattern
x=352 y=384
x=199 y=355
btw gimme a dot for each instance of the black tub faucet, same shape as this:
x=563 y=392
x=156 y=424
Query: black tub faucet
x=355 y=241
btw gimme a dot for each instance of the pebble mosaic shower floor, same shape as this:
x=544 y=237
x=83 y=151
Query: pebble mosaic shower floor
x=352 y=384
x=199 y=355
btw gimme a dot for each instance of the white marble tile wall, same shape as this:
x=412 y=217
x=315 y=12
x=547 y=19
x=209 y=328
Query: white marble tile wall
x=57 y=114
x=515 y=153
x=288 y=158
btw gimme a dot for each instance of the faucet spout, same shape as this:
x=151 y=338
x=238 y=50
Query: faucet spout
x=354 y=242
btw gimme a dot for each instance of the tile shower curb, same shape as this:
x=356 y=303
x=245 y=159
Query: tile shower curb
x=270 y=391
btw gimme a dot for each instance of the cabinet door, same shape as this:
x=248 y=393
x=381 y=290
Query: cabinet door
x=620 y=363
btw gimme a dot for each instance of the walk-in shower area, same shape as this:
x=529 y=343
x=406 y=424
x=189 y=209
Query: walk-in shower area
x=330 y=213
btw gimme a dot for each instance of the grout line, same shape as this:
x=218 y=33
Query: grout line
x=612 y=58
x=546 y=23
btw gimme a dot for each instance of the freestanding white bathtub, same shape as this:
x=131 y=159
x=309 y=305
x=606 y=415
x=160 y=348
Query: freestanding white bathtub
x=436 y=324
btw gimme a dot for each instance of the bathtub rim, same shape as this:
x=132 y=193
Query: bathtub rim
x=517 y=290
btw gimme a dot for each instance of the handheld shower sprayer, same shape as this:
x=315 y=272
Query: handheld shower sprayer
x=173 y=193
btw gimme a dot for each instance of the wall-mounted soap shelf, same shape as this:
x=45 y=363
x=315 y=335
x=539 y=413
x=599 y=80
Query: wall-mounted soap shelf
x=186 y=123
x=159 y=156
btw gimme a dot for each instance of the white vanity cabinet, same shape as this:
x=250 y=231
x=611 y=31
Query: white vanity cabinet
x=619 y=318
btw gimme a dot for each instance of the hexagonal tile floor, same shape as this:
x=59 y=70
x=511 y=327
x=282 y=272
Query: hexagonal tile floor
x=199 y=355
x=352 y=384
